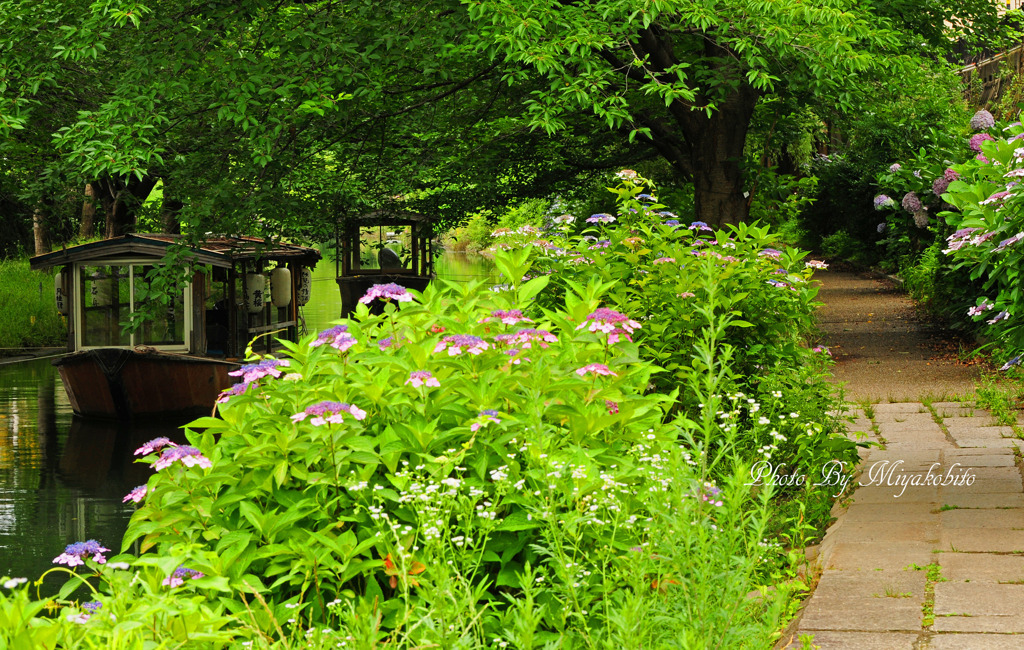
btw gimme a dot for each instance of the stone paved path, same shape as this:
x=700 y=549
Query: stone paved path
x=937 y=564
x=928 y=552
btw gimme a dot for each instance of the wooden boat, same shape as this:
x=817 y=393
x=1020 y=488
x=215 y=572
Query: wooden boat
x=177 y=362
x=383 y=247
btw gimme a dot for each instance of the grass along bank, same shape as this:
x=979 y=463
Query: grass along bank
x=30 y=317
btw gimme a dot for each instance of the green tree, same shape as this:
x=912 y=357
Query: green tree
x=690 y=75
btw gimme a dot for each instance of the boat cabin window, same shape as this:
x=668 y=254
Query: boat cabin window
x=108 y=294
x=385 y=248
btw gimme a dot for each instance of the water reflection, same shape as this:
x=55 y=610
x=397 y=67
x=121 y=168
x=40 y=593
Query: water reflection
x=62 y=478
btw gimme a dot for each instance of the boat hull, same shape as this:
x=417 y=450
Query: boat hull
x=137 y=384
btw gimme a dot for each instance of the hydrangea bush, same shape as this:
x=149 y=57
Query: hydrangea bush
x=662 y=271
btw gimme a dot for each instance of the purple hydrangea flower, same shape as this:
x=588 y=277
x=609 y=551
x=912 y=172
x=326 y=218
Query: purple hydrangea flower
x=882 y=201
x=646 y=198
x=605 y=320
x=486 y=417
x=1003 y=315
x=982 y=120
x=1008 y=242
x=327 y=411
x=564 y=219
x=76 y=554
x=700 y=225
x=600 y=217
x=156 y=444
x=710 y=493
x=92 y=607
x=951 y=174
x=998 y=196
x=1012 y=362
x=456 y=343
x=771 y=252
x=673 y=223
x=337 y=336
x=234 y=391
x=895 y=167
x=180 y=575
x=977 y=139
x=136 y=495
x=939 y=186
x=921 y=218
x=911 y=203
x=422 y=378
x=255 y=371
x=880 y=228
x=980 y=308
x=189 y=456
x=390 y=291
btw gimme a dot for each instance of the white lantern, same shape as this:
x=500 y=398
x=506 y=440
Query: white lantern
x=305 y=288
x=281 y=287
x=255 y=286
x=59 y=295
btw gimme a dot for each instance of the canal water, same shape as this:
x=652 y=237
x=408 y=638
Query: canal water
x=62 y=479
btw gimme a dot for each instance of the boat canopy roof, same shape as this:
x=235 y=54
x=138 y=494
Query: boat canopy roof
x=216 y=250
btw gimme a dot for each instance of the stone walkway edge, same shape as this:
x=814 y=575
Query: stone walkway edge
x=928 y=551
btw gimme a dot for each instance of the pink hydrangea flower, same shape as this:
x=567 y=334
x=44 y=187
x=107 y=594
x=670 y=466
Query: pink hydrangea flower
x=156 y=444
x=595 y=368
x=329 y=412
x=136 y=495
x=234 y=391
x=337 y=336
x=254 y=371
x=76 y=554
x=510 y=317
x=607 y=320
x=422 y=378
x=486 y=417
x=390 y=291
x=664 y=260
x=179 y=576
x=456 y=343
x=188 y=456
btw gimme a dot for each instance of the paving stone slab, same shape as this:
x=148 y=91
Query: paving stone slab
x=981 y=540
x=984 y=500
x=888 y=584
x=982 y=486
x=978 y=599
x=988 y=443
x=898 y=407
x=995 y=459
x=887 y=493
x=975 y=420
x=974 y=642
x=981 y=567
x=872 y=614
x=894 y=511
x=991 y=624
x=982 y=519
x=885 y=556
x=873 y=532
x=858 y=640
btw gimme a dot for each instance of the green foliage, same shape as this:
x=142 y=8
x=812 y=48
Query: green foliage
x=763 y=308
x=30 y=313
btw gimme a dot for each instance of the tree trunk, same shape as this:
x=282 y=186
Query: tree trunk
x=120 y=202
x=87 y=226
x=42 y=240
x=170 y=211
x=717 y=158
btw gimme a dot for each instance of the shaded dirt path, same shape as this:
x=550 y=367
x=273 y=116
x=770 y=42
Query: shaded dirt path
x=883 y=352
